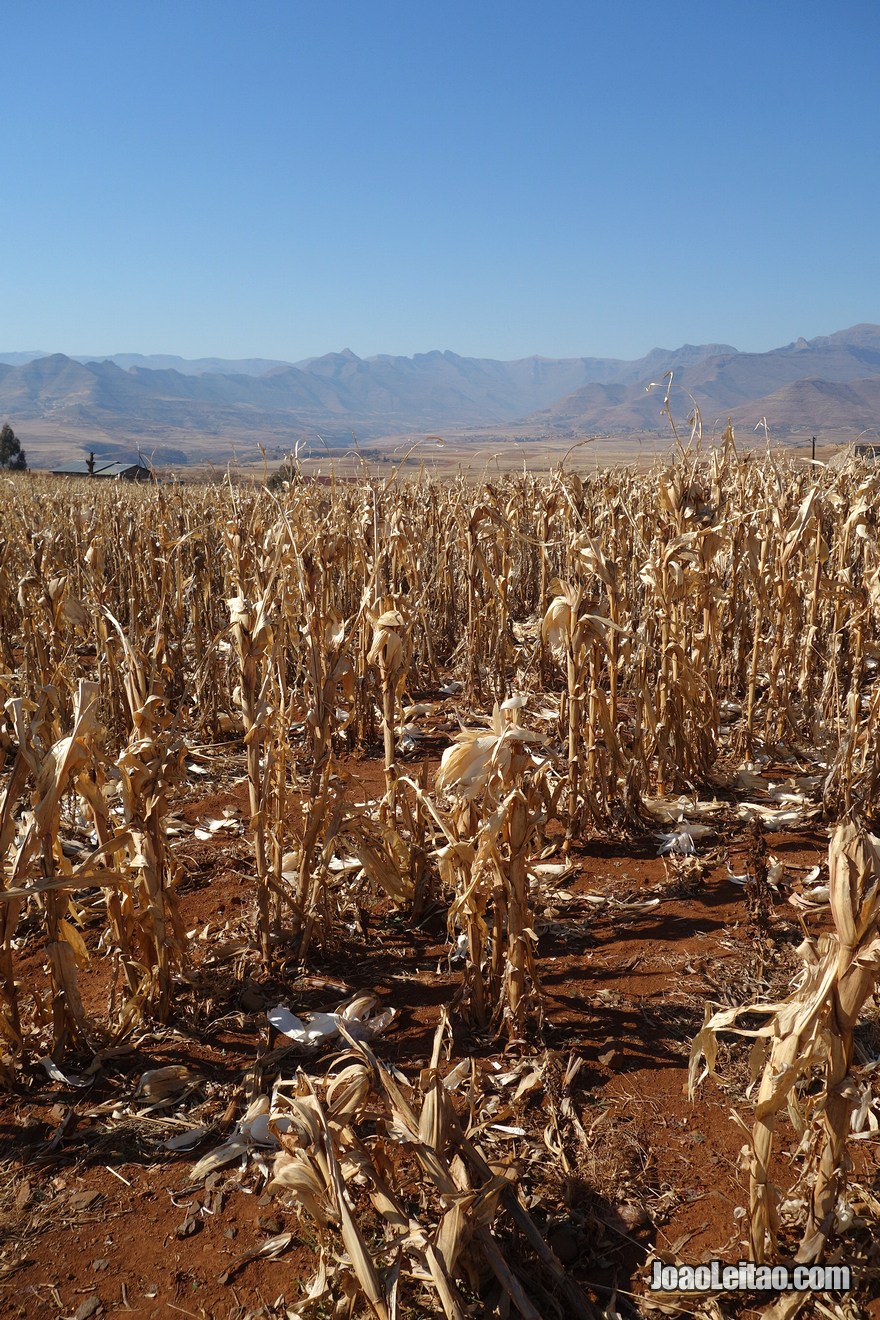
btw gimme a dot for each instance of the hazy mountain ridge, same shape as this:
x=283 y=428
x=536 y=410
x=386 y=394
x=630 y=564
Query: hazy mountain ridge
x=373 y=395
x=830 y=381
x=159 y=362
x=746 y=386
x=824 y=402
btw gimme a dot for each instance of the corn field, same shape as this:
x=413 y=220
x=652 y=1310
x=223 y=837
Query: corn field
x=605 y=642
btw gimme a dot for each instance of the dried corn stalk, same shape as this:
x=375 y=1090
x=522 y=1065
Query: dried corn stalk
x=390 y=651
x=735 y=600
x=811 y=1031
x=484 y=862
x=351 y=1147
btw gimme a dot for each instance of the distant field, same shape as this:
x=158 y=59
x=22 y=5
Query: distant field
x=51 y=445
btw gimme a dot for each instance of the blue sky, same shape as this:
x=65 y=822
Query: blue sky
x=287 y=179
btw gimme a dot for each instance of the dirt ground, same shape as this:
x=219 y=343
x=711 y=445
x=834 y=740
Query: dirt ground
x=99 y=1217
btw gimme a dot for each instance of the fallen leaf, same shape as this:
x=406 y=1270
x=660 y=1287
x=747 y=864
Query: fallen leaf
x=271 y=1249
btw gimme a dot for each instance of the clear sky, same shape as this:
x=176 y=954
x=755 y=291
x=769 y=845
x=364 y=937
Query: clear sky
x=282 y=179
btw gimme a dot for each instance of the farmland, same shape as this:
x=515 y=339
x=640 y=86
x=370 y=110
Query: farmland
x=409 y=883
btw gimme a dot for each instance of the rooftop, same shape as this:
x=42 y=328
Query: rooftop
x=101 y=468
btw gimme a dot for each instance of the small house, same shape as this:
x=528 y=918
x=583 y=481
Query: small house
x=102 y=468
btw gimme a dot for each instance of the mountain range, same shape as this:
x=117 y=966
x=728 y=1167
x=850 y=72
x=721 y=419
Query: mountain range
x=829 y=383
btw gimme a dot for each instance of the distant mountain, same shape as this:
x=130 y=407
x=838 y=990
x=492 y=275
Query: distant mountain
x=336 y=393
x=191 y=366
x=16 y=359
x=159 y=361
x=747 y=386
x=825 y=403
x=828 y=382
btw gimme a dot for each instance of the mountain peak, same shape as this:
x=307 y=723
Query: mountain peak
x=125 y=395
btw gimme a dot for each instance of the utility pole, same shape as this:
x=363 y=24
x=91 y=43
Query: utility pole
x=814 y=449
